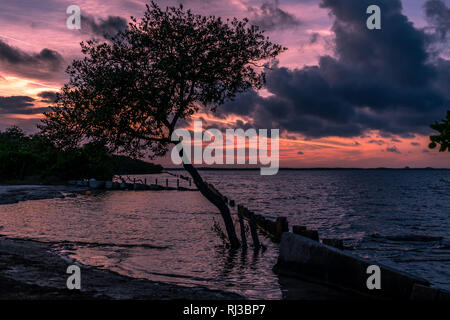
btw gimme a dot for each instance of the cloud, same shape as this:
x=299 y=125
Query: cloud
x=393 y=150
x=314 y=37
x=300 y=153
x=416 y=144
x=378 y=142
x=438 y=14
x=270 y=17
x=19 y=105
x=47 y=96
x=104 y=27
x=378 y=80
x=45 y=64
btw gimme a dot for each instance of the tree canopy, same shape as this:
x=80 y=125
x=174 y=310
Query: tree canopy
x=132 y=90
x=443 y=139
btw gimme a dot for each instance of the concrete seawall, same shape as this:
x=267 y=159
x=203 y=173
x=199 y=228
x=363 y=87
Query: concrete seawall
x=304 y=258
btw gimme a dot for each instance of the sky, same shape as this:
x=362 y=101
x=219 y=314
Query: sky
x=342 y=95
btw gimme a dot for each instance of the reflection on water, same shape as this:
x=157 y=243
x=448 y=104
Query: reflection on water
x=396 y=217
x=165 y=236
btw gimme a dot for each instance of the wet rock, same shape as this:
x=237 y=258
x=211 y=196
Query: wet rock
x=94 y=184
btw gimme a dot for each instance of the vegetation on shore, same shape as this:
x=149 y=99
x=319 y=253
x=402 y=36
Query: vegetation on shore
x=35 y=158
x=443 y=138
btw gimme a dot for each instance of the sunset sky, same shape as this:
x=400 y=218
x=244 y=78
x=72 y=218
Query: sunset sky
x=341 y=95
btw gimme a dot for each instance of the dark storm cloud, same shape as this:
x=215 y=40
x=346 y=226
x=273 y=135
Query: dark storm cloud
x=19 y=105
x=438 y=14
x=381 y=79
x=104 y=27
x=47 y=96
x=378 y=142
x=397 y=51
x=314 y=38
x=44 y=64
x=270 y=17
x=393 y=150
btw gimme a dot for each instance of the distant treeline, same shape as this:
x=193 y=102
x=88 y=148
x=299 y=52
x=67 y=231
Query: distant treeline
x=35 y=158
x=124 y=165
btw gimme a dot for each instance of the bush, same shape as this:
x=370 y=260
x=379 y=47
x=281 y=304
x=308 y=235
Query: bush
x=23 y=156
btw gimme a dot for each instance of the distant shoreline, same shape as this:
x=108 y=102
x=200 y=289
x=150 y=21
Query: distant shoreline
x=10 y=194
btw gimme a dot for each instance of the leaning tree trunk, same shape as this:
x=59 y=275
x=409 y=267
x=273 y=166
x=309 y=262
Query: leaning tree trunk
x=215 y=200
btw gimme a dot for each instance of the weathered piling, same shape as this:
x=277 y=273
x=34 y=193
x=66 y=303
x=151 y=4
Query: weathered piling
x=254 y=232
x=311 y=234
x=281 y=226
x=242 y=227
x=273 y=229
x=298 y=229
x=303 y=231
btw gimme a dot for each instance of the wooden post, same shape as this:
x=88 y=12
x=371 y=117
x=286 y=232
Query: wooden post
x=178 y=183
x=190 y=182
x=167 y=183
x=281 y=226
x=242 y=226
x=145 y=181
x=254 y=232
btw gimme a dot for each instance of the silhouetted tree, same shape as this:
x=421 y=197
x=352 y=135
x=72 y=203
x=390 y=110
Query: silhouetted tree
x=132 y=90
x=443 y=139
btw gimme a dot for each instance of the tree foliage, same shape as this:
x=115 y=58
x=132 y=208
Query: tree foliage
x=132 y=90
x=443 y=139
x=35 y=156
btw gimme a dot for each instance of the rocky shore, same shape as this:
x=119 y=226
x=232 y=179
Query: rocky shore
x=16 y=193
x=33 y=270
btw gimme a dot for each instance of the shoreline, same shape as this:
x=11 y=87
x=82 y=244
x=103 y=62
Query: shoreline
x=33 y=270
x=10 y=194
